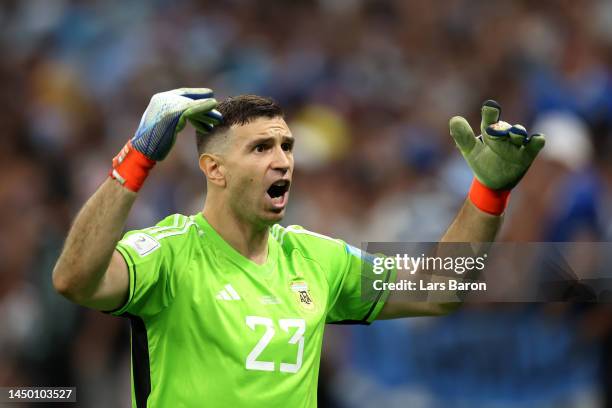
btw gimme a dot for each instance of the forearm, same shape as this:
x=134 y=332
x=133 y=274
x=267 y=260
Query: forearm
x=472 y=225
x=91 y=241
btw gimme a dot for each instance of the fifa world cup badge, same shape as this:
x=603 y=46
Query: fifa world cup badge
x=302 y=294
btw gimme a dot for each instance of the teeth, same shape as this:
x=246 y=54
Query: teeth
x=280 y=183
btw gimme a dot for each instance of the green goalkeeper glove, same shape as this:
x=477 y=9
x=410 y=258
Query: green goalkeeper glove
x=499 y=157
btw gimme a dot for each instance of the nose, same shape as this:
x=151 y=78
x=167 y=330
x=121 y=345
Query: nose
x=281 y=161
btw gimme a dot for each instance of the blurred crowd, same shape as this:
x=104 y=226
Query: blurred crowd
x=368 y=87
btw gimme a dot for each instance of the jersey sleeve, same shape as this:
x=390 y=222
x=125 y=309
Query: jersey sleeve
x=150 y=260
x=353 y=297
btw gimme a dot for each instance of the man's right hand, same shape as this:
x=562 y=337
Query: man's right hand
x=89 y=270
x=163 y=119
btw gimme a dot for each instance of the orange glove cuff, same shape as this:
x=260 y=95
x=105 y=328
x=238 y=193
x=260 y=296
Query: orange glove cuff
x=488 y=200
x=130 y=167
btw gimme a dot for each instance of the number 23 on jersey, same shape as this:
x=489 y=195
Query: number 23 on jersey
x=292 y=327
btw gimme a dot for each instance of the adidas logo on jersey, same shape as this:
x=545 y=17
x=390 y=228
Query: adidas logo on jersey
x=228 y=293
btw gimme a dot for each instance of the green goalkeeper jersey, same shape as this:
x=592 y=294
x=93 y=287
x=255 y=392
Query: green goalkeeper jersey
x=211 y=328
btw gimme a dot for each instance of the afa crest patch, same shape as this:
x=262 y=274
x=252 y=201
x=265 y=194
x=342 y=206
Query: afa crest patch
x=303 y=296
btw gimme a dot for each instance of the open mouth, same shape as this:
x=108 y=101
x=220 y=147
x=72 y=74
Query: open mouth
x=278 y=194
x=278 y=189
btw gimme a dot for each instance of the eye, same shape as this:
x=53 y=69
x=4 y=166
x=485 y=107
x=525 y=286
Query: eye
x=287 y=146
x=260 y=148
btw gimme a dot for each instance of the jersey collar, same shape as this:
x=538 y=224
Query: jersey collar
x=232 y=254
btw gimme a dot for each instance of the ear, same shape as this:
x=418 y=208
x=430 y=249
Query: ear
x=212 y=167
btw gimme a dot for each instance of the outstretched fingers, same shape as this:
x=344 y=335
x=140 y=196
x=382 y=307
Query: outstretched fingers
x=534 y=144
x=490 y=114
x=518 y=135
x=462 y=133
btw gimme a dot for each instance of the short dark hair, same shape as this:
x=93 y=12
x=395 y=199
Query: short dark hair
x=239 y=110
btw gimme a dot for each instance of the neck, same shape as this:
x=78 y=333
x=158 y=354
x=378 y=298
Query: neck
x=246 y=238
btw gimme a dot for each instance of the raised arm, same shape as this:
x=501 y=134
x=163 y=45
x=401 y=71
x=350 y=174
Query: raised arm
x=499 y=159
x=89 y=271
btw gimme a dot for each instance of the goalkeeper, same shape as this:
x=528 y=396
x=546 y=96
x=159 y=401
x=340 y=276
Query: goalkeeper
x=228 y=308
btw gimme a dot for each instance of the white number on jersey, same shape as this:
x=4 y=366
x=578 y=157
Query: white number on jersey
x=285 y=324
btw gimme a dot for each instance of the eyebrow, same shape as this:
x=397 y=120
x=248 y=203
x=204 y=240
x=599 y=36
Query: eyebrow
x=270 y=139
